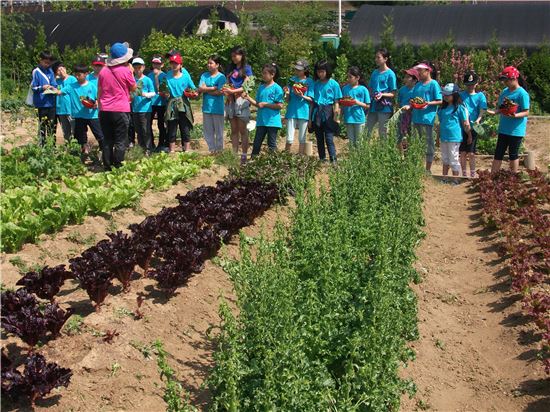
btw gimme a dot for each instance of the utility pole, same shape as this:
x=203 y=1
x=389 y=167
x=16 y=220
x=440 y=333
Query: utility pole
x=339 y=18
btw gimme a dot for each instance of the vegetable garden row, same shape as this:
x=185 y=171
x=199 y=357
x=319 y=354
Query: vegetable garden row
x=169 y=247
x=326 y=308
x=517 y=205
x=30 y=211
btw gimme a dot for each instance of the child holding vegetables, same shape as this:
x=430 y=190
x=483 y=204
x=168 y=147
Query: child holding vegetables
x=514 y=108
x=453 y=119
x=269 y=101
x=142 y=106
x=404 y=94
x=426 y=97
x=354 y=115
x=178 y=109
x=237 y=109
x=83 y=95
x=326 y=110
x=158 y=77
x=299 y=97
x=210 y=85
x=382 y=87
x=476 y=104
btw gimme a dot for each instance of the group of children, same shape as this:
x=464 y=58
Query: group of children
x=316 y=104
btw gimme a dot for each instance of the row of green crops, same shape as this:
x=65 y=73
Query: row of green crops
x=32 y=164
x=325 y=307
x=30 y=211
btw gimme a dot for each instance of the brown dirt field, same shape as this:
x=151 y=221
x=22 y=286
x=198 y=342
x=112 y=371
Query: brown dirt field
x=476 y=351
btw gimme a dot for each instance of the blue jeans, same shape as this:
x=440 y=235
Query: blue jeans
x=355 y=132
x=325 y=136
x=261 y=131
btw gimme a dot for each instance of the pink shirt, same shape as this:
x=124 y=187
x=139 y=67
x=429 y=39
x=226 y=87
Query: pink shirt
x=114 y=83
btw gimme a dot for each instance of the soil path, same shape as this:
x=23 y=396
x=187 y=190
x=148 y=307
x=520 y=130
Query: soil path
x=476 y=350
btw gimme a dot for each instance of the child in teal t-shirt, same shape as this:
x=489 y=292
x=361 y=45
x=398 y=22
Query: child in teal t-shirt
x=158 y=77
x=210 y=85
x=476 y=104
x=177 y=115
x=63 y=100
x=382 y=88
x=404 y=95
x=354 y=116
x=142 y=106
x=83 y=96
x=513 y=123
x=269 y=101
x=453 y=118
x=300 y=99
x=326 y=111
x=423 y=119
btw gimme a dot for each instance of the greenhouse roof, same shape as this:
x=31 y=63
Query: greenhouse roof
x=74 y=28
x=521 y=24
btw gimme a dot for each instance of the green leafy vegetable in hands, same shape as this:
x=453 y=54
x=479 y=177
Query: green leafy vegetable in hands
x=249 y=84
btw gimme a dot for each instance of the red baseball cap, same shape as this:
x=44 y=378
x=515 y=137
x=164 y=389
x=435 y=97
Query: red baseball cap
x=99 y=59
x=412 y=73
x=509 y=72
x=176 y=58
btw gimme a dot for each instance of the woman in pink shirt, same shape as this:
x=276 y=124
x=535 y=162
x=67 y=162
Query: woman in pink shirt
x=115 y=83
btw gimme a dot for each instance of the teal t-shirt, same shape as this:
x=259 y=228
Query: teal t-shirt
x=212 y=104
x=78 y=110
x=355 y=114
x=142 y=104
x=474 y=103
x=510 y=125
x=271 y=94
x=326 y=93
x=63 y=101
x=404 y=95
x=157 y=100
x=177 y=86
x=382 y=82
x=92 y=78
x=298 y=107
x=451 y=121
x=429 y=92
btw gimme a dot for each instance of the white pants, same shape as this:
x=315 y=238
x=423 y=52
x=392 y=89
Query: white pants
x=450 y=155
x=213 y=131
x=301 y=125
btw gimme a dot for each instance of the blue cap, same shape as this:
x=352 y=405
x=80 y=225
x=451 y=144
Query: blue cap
x=118 y=50
x=449 y=89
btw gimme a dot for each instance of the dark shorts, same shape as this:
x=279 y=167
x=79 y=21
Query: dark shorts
x=510 y=143
x=464 y=146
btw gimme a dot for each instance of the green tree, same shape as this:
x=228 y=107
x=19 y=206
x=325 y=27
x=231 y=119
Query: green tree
x=387 y=40
x=309 y=19
x=537 y=72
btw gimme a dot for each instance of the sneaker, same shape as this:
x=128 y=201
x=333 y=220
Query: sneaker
x=243 y=159
x=130 y=145
x=473 y=174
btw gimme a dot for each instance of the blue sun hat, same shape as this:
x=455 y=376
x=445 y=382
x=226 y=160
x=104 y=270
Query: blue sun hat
x=120 y=54
x=449 y=89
